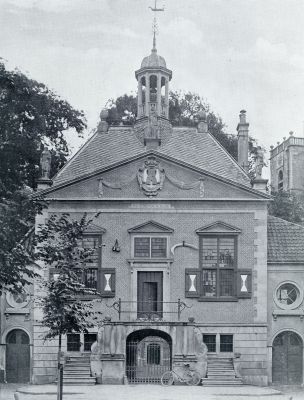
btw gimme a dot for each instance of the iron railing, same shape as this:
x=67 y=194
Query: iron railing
x=149 y=310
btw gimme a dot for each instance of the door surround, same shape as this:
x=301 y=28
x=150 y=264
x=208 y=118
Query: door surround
x=150 y=267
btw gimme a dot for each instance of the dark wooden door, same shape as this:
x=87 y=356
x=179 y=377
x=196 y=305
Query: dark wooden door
x=17 y=357
x=149 y=294
x=287 y=359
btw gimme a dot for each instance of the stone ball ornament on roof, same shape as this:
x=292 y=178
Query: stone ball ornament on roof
x=103 y=126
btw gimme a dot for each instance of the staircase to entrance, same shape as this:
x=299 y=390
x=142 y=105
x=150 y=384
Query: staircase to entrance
x=77 y=371
x=220 y=372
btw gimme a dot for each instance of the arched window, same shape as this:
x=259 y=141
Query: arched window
x=280 y=180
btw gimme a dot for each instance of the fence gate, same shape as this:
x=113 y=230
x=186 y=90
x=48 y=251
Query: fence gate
x=147 y=359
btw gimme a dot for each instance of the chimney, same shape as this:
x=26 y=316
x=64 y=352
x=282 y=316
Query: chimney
x=242 y=130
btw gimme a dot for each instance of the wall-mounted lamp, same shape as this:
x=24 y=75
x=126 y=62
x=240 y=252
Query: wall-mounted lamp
x=116 y=247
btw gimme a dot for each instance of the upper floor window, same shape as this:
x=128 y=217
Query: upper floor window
x=280 y=180
x=150 y=240
x=218 y=277
x=150 y=247
x=218 y=262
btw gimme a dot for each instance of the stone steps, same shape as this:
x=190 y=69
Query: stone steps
x=77 y=371
x=220 y=372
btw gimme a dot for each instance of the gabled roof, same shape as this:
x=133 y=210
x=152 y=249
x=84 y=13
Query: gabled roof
x=285 y=241
x=150 y=227
x=94 y=229
x=200 y=150
x=218 y=227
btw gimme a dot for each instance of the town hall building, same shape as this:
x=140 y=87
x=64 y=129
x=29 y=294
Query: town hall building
x=190 y=267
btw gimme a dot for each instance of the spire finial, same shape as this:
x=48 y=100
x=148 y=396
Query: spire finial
x=154 y=25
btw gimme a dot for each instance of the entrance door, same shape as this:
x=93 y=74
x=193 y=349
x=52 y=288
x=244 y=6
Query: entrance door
x=17 y=357
x=287 y=359
x=149 y=295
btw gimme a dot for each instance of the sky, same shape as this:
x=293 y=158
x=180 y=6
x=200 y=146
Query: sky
x=236 y=54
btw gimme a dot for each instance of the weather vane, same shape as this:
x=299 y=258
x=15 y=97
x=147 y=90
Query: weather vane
x=154 y=25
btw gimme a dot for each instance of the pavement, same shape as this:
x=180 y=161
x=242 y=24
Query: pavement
x=149 y=392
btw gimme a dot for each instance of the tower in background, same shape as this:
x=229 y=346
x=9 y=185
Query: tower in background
x=287 y=165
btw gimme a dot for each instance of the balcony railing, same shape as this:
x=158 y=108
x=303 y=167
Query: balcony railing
x=149 y=310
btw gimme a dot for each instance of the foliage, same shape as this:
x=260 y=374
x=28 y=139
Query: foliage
x=287 y=206
x=60 y=248
x=31 y=116
x=183 y=110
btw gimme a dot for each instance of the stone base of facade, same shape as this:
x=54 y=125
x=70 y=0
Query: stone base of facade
x=249 y=346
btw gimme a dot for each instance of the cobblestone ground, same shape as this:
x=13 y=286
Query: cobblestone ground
x=149 y=392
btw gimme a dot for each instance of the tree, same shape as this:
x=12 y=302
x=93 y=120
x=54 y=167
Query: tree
x=60 y=249
x=183 y=110
x=287 y=206
x=31 y=117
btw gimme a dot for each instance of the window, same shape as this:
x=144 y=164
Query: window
x=280 y=180
x=218 y=263
x=153 y=353
x=288 y=295
x=89 y=339
x=150 y=247
x=73 y=342
x=210 y=342
x=226 y=343
x=89 y=275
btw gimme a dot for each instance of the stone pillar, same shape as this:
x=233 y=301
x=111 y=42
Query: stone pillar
x=139 y=99
x=167 y=97
x=158 y=94
x=242 y=130
x=147 y=95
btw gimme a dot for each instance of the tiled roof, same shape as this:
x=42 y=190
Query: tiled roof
x=200 y=150
x=285 y=241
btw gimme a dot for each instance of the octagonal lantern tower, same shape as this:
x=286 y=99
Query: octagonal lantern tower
x=153 y=86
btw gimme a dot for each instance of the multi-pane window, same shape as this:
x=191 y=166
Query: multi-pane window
x=218 y=263
x=226 y=343
x=210 y=342
x=89 y=275
x=150 y=247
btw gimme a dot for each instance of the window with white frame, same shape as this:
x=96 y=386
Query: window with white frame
x=150 y=247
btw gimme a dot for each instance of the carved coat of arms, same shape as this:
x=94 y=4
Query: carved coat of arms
x=151 y=177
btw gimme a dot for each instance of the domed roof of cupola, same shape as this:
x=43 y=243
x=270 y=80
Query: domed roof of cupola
x=153 y=60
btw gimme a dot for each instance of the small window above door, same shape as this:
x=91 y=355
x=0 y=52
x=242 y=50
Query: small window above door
x=150 y=241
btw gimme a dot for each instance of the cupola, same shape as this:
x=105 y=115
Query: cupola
x=153 y=86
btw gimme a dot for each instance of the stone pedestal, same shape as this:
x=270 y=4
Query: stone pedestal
x=113 y=369
x=260 y=184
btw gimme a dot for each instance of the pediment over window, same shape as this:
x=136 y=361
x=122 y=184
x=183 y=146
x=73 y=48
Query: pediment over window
x=218 y=228
x=150 y=227
x=93 y=229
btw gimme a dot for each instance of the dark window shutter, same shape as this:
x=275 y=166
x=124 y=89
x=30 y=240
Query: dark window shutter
x=244 y=283
x=107 y=282
x=192 y=282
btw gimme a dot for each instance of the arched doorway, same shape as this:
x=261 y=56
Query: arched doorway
x=287 y=359
x=148 y=355
x=17 y=356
